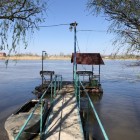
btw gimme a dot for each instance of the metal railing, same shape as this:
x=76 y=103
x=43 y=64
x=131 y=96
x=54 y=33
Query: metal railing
x=90 y=103
x=56 y=84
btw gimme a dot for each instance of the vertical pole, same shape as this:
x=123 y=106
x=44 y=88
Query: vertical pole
x=73 y=70
x=52 y=91
x=87 y=124
x=61 y=83
x=41 y=121
x=79 y=98
x=75 y=24
x=99 y=68
x=79 y=92
x=42 y=69
x=75 y=80
x=58 y=84
x=99 y=73
x=92 y=70
x=55 y=86
x=75 y=67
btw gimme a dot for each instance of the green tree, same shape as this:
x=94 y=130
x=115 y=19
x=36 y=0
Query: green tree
x=125 y=21
x=17 y=19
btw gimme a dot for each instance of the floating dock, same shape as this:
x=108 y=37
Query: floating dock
x=64 y=121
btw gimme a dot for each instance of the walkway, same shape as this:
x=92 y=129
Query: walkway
x=65 y=123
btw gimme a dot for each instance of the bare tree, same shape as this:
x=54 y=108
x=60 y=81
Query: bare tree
x=125 y=21
x=17 y=18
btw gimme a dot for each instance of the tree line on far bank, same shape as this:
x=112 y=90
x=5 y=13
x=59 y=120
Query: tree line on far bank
x=127 y=56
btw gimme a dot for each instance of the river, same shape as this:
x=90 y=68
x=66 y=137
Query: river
x=119 y=108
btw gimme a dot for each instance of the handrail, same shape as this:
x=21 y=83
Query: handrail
x=95 y=112
x=41 y=111
x=53 y=101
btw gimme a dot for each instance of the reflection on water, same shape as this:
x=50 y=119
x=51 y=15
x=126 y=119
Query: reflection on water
x=119 y=107
x=90 y=125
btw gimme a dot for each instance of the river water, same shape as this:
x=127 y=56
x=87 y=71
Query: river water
x=119 y=108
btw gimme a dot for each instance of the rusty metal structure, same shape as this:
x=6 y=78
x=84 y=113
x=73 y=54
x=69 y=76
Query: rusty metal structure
x=87 y=59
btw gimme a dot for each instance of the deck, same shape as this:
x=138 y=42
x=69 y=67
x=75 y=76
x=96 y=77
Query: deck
x=65 y=123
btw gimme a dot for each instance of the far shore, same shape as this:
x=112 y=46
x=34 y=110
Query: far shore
x=53 y=58
x=35 y=58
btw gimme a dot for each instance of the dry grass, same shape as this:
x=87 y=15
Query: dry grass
x=34 y=58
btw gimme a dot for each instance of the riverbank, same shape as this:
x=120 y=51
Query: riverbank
x=24 y=57
x=35 y=58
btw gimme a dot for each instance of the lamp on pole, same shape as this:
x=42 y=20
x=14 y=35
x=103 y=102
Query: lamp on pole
x=43 y=52
x=73 y=25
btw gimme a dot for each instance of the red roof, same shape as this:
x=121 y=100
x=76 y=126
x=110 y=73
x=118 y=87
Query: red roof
x=88 y=58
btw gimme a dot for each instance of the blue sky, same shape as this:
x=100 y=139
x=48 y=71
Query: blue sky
x=56 y=40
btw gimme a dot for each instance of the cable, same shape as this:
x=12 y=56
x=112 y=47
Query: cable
x=92 y=30
x=43 y=26
x=47 y=26
x=77 y=44
x=79 y=52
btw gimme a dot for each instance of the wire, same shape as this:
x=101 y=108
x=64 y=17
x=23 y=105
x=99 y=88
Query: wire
x=44 y=26
x=79 y=52
x=92 y=30
x=77 y=44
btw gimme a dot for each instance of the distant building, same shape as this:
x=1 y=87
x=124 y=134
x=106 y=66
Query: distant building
x=2 y=54
x=106 y=57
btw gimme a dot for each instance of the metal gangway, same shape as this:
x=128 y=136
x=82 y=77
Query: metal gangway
x=65 y=105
